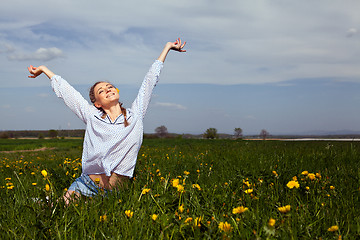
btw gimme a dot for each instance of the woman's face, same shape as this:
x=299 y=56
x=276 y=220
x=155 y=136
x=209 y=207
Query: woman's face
x=105 y=94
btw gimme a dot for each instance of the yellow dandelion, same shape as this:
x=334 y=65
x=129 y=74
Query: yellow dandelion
x=294 y=178
x=32 y=173
x=129 y=213
x=332 y=188
x=186 y=172
x=271 y=222
x=44 y=173
x=225 y=227
x=239 y=210
x=196 y=186
x=34 y=183
x=293 y=184
x=10 y=187
x=318 y=175
x=333 y=228
x=154 y=217
x=180 y=188
x=248 y=191
x=145 y=191
x=47 y=187
x=197 y=222
x=8 y=179
x=181 y=208
x=284 y=209
x=305 y=173
x=275 y=173
x=103 y=218
x=311 y=176
x=175 y=182
x=307 y=188
x=189 y=219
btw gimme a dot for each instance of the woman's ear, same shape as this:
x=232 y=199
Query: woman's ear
x=96 y=104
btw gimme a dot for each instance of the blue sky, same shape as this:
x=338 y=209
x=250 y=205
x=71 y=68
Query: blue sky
x=283 y=66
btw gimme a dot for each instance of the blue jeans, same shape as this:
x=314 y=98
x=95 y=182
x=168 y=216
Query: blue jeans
x=87 y=187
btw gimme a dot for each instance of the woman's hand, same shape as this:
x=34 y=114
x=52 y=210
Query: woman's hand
x=36 y=71
x=176 y=46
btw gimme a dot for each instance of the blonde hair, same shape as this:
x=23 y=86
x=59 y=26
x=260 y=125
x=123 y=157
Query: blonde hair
x=93 y=100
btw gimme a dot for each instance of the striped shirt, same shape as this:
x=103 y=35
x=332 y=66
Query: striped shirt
x=108 y=145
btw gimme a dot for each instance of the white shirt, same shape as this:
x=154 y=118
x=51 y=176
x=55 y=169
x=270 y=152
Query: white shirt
x=110 y=146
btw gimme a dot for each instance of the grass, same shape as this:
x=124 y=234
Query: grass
x=188 y=189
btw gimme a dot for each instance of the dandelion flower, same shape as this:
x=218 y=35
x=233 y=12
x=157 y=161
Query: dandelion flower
x=175 y=182
x=271 y=222
x=318 y=175
x=284 y=209
x=44 y=173
x=103 y=218
x=10 y=187
x=225 y=227
x=333 y=228
x=311 y=176
x=305 y=173
x=154 y=217
x=189 y=219
x=275 y=173
x=248 y=191
x=181 y=208
x=186 y=172
x=8 y=179
x=180 y=188
x=239 y=210
x=197 y=222
x=34 y=183
x=129 y=213
x=196 y=186
x=145 y=191
x=47 y=187
x=293 y=184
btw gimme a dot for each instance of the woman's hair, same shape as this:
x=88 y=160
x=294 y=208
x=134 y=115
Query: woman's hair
x=93 y=100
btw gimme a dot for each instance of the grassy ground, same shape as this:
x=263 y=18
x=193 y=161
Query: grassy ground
x=188 y=189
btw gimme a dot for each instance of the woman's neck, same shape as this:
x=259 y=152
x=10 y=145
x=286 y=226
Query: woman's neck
x=113 y=111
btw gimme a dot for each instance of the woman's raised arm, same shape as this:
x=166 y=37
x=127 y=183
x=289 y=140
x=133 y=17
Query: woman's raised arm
x=36 y=71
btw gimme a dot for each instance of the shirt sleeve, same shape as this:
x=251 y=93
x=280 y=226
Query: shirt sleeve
x=143 y=98
x=72 y=98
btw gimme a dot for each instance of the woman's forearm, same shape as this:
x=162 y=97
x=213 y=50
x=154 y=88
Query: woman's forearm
x=164 y=52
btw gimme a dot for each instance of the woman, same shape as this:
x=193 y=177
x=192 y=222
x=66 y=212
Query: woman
x=113 y=135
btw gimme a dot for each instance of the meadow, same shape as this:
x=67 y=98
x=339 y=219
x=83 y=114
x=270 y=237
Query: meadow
x=187 y=189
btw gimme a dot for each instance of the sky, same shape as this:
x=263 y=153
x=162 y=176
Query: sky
x=282 y=65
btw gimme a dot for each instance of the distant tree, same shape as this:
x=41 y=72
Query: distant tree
x=264 y=134
x=53 y=133
x=238 y=132
x=41 y=136
x=211 y=133
x=161 y=131
x=4 y=135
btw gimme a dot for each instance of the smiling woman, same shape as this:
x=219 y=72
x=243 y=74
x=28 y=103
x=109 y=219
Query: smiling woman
x=113 y=134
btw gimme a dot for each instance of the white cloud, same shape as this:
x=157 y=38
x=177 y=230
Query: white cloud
x=6 y=48
x=42 y=54
x=351 y=32
x=170 y=105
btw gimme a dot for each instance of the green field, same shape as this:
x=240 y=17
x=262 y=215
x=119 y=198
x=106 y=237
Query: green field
x=187 y=189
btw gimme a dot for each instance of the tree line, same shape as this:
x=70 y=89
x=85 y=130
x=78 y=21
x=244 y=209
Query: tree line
x=160 y=132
